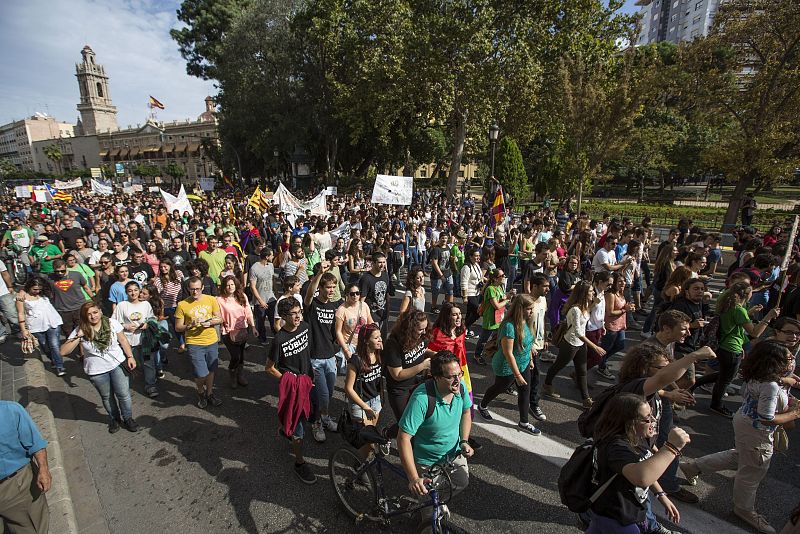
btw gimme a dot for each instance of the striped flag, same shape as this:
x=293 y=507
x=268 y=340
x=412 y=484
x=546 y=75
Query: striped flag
x=257 y=200
x=154 y=103
x=228 y=181
x=63 y=196
x=498 y=208
x=231 y=212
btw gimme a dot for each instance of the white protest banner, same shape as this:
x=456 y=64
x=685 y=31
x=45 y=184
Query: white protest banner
x=288 y=203
x=342 y=231
x=69 y=184
x=22 y=191
x=101 y=188
x=40 y=195
x=153 y=189
x=96 y=172
x=137 y=188
x=396 y=190
x=206 y=183
x=331 y=190
x=180 y=203
x=792 y=236
x=128 y=190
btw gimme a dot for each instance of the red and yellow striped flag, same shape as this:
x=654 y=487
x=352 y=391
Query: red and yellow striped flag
x=154 y=103
x=498 y=208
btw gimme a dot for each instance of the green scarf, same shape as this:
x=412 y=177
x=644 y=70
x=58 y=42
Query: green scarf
x=102 y=337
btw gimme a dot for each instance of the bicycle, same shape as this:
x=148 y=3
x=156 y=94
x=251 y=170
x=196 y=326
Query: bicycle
x=359 y=487
x=10 y=255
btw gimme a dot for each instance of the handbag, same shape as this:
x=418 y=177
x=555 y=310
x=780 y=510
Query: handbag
x=238 y=336
x=780 y=439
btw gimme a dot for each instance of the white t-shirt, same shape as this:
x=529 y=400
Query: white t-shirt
x=128 y=312
x=602 y=257
x=576 y=320
x=597 y=315
x=96 y=362
x=3 y=287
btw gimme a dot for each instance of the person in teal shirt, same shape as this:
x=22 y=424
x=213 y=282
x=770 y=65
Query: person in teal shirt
x=513 y=362
x=437 y=438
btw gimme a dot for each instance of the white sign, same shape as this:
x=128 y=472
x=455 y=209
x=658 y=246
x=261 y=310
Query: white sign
x=128 y=190
x=40 y=195
x=397 y=190
x=69 y=184
x=22 y=191
x=789 y=250
x=101 y=188
x=180 y=203
x=288 y=203
x=331 y=190
x=96 y=172
x=154 y=189
x=206 y=183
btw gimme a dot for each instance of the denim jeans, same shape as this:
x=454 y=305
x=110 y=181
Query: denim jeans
x=612 y=343
x=9 y=309
x=413 y=257
x=439 y=284
x=179 y=336
x=114 y=389
x=50 y=344
x=651 y=317
x=457 y=284
x=482 y=339
x=512 y=277
x=147 y=362
x=260 y=317
x=324 y=380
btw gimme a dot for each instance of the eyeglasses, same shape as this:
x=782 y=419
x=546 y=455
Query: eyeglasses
x=354 y=293
x=195 y=289
x=453 y=378
x=105 y=262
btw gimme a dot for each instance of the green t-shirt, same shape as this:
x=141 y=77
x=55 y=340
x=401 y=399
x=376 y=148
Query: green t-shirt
x=435 y=438
x=491 y=292
x=732 y=334
x=22 y=238
x=522 y=355
x=39 y=252
x=86 y=272
x=216 y=262
x=457 y=256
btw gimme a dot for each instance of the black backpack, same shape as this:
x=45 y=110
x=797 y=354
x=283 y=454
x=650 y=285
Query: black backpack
x=589 y=418
x=431 y=394
x=577 y=484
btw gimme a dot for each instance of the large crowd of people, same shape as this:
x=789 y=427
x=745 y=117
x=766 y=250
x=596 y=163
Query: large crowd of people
x=121 y=283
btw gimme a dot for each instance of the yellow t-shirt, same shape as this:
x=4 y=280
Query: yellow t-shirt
x=201 y=309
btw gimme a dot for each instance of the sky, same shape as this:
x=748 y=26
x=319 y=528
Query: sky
x=42 y=40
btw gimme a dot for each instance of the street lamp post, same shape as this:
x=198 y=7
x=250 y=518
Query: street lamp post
x=494 y=132
x=276 y=153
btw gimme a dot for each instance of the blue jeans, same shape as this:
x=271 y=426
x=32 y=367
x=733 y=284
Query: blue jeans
x=651 y=317
x=437 y=284
x=482 y=339
x=512 y=276
x=413 y=256
x=114 y=389
x=601 y=524
x=324 y=380
x=147 y=362
x=260 y=317
x=457 y=284
x=612 y=343
x=50 y=344
x=180 y=336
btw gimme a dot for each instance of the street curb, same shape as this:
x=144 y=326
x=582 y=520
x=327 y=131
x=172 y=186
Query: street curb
x=59 y=499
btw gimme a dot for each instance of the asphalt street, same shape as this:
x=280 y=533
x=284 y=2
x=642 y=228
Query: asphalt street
x=226 y=469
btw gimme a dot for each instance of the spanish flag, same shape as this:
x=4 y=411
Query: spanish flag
x=154 y=103
x=257 y=200
x=498 y=208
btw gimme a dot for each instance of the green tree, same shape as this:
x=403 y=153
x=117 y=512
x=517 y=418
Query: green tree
x=146 y=171
x=510 y=170
x=54 y=154
x=175 y=171
x=747 y=78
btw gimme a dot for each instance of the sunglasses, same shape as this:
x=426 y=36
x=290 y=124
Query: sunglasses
x=60 y=271
x=354 y=293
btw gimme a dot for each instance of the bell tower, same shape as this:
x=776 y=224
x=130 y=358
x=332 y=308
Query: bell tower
x=98 y=114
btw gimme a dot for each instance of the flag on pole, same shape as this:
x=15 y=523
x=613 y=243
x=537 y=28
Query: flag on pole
x=58 y=195
x=228 y=181
x=498 y=208
x=154 y=103
x=257 y=200
x=231 y=212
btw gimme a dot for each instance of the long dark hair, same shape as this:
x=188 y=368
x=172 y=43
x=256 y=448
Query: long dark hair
x=405 y=329
x=172 y=276
x=40 y=282
x=155 y=300
x=361 y=347
x=619 y=419
x=444 y=321
x=766 y=362
x=238 y=294
x=727 y=301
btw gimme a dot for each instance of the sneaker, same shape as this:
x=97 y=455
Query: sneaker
x=485 y=413
x=538 y=414
x=386 y=448
x=213 y=400
x=318 y=432
x=723 y=411
x=3 y=338
x=755 y=520
x=661 y=529
x=512 y=390
x=471 y=334
x=131 y=425
x=303 y=472
x=329 y=424
x=547 y=356
x=60 y=371
x=646 y=335
x=690 y=471
x=550 y=391
x=152 y=393
x=113 y=426
x=684 y=495
x=605 y=373
x=160 y=374
x=202 y=402
x=529 y=428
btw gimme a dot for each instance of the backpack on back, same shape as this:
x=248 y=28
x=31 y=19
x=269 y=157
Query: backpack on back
x=589 y=418
x=430 y=392
x=577 y=484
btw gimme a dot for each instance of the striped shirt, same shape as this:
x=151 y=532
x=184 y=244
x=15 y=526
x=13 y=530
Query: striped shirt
x=170 y=291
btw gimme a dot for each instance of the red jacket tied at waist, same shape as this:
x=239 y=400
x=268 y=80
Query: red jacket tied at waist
x=294 y=400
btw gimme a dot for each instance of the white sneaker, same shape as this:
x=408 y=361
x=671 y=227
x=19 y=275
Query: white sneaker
x=755 y=520
x=329 y=424
x=547 y=356
x=318 y=432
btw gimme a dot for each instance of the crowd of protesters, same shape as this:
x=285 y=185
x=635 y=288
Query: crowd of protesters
x=123 y=284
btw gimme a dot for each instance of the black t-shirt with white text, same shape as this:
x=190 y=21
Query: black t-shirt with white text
x=442 y=256
x=142 y=273
x=179 y=259
x=368 y=383
x=291 y=351
x=320 y=318
x=393 y=355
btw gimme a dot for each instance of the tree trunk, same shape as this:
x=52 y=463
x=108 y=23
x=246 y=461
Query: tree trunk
x=641 y=189
x=708 y=188
x=458 y=152
x=745 y=181
x=332 y=146
x=362 y=169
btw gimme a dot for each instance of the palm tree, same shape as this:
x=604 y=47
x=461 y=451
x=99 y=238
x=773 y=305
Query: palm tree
x=53 y=153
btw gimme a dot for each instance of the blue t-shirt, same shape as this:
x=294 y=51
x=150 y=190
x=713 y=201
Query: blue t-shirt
x=19 y=438
x=436 y=438
x=117 y=293
x=522 y=356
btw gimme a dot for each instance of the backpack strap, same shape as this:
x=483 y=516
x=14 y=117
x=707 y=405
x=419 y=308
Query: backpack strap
x=430 y=392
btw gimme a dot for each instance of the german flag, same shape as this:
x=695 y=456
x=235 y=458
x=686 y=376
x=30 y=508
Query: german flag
x=498 y=208
x=154 y=103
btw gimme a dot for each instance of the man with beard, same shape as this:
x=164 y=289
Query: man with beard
x=374 y=287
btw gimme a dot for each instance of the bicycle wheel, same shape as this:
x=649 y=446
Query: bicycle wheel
x=445 y=527
x=358 y=494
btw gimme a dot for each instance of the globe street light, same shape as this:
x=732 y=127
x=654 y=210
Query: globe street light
x=494 y=132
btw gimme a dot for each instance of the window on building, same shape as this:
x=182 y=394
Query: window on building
x=673 y=18
x=675 y=4
x=698 y=5
x=460 y=174
x=696 y=19
x=100 y=89
x=423 y=173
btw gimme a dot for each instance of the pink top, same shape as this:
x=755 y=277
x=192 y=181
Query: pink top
x=234 y=315
x=615 y=323
x=153 y=261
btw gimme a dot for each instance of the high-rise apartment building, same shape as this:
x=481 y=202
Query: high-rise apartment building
x=675 y=20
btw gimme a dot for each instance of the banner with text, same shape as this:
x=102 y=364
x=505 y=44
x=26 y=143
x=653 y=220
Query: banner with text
x=206 y=183
x=69 y=184
x=397 y=190
x=101 y=188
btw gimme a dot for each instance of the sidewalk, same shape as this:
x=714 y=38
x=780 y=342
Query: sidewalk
x=24 y=380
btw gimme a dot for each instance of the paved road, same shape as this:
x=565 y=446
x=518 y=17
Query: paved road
x=226 y=469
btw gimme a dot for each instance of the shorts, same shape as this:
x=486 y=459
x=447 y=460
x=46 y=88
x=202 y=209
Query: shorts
x=357 y=413
x=438 y=284
x=205 y=358
x=299 y=431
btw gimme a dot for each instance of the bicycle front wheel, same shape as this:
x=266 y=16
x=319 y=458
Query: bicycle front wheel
x=356 y=490
x=445 y=526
